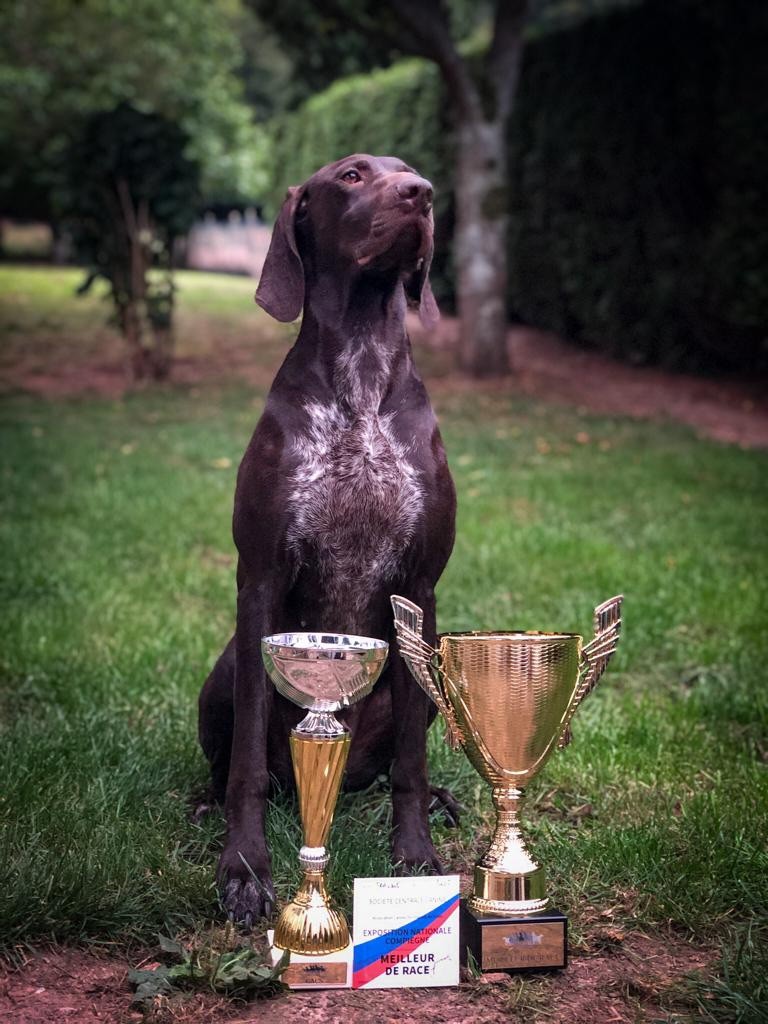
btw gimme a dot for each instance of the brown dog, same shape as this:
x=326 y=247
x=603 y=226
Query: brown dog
x=343 y=498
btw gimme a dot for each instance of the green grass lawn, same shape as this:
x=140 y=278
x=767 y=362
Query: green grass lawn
x=117 y=588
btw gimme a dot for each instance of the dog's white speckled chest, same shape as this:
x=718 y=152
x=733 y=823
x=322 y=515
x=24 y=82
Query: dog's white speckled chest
x=355 y=501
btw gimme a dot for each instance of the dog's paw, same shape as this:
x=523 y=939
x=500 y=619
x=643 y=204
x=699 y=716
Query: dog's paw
x=416 y=858
x=247 y=902
x=444 y=803
x=200 y=810
x=201 y=803
x=247 y=892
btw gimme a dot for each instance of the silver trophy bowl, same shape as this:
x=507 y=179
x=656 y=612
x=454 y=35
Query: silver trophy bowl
x=323 y=672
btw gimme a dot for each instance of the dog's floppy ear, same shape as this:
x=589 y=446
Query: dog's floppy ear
x=418 y=291
x=281 y=285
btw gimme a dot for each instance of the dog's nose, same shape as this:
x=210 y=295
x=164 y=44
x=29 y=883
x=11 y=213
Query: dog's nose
x=411 y=186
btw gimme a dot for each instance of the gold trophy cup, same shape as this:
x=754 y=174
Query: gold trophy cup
x=321 y=672
x=507 y=698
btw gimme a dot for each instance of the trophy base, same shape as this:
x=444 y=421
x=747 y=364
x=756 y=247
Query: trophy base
x=522 y=942
x=309 y=924
x=332 y=970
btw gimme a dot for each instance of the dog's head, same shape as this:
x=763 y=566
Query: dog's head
x=362 y=214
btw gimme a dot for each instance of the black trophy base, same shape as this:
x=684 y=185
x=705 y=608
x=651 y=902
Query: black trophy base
x=533 y=942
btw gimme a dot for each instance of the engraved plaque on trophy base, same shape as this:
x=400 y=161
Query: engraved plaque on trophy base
x=533 y=942
x=332 y=970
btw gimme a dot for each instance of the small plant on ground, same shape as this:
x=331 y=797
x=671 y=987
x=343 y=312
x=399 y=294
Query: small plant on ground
x=216 y=961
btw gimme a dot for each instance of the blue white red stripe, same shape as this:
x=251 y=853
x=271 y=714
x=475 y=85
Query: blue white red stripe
x=368 y=962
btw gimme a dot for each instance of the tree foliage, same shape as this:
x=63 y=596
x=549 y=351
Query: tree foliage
x=63 y=60
x=129 y=193
x=326 y=40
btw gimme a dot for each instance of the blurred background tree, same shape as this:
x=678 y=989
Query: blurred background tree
x=129 y=194
x=63 y=60
x=116 y=118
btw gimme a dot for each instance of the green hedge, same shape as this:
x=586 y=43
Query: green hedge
x=639 y=187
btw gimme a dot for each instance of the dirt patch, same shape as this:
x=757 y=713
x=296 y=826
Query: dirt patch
x=627 y=978
x=733 y=409
x=213 y=353
x=64 y=985
x=631 y=979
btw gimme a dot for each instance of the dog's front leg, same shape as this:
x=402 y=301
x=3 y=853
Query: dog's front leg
x=411 y=839
x=244 y=874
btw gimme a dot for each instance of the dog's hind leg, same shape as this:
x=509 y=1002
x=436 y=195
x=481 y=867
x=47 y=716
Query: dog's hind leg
x=443 y=803
x=216 y=720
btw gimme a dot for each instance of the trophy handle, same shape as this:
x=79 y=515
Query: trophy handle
x=423 y=662
x=595 y=657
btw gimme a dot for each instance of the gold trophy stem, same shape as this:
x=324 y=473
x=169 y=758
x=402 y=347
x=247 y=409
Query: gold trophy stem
x=507 y=879
x=309 y=924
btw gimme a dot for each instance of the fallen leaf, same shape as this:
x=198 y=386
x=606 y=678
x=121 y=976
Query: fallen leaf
x=170 y=945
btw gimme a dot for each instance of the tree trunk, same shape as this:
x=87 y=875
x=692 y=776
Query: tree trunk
x=161 y=352
x=150 y=348
x=129 y=321
x=480 y=246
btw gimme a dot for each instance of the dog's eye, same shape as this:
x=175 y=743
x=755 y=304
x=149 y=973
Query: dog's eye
x=351 y=175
